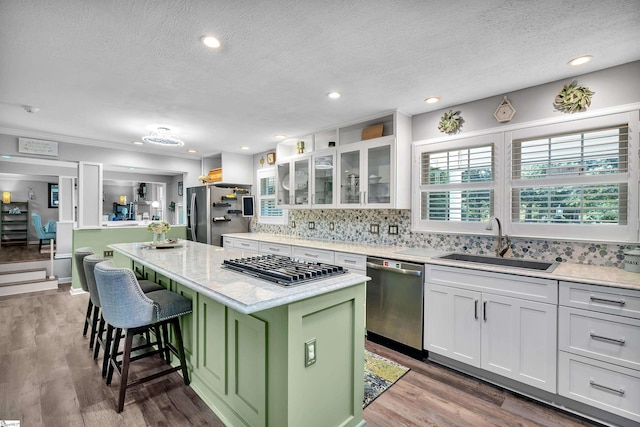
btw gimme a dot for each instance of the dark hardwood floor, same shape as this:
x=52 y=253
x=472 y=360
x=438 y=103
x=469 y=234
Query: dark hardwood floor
x=21 y=253
x=49 y=378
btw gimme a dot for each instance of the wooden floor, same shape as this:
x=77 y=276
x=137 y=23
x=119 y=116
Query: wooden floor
x=48 y=377
x=21 y=253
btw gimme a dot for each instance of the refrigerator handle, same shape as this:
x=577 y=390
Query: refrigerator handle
x=193 y=225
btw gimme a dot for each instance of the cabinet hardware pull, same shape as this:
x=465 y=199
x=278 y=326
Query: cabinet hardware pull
x=350 y=261
x=620 y=302
x=619 y=341
x=274 y=249
x=475 y=309
x=484 y=310
x=311 y=255
x=604 y=387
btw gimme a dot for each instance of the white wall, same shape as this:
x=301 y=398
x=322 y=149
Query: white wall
x=613 y=87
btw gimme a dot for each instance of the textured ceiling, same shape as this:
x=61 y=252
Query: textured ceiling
x=106 y=72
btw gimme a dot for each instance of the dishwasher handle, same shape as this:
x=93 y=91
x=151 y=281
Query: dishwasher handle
x=394 y=270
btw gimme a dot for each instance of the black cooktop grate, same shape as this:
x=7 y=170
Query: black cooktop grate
x=283 y=270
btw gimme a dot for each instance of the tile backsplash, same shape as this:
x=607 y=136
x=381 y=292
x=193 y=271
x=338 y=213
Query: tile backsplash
x=354 y=225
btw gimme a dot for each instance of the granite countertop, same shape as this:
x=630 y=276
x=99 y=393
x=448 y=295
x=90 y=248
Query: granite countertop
x=590 y=274
x=199 y=267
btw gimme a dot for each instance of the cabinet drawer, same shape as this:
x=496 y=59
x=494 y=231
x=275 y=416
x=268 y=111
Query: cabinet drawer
x=246 y=245
x=605 y=299
x=275 y=248
x=228 y=242
x=614 y=339
x=351 y=261
x=316 y=255
x=524 y=287
x=603 y=385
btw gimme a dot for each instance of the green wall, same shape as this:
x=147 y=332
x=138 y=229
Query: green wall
x=99 y=238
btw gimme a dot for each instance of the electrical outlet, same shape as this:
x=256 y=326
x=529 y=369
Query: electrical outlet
x=331 y=226
x=393 y=229
x=310 y=352
x=312 y=225
x=293 y=224
x=374 y=228
x=108 y=254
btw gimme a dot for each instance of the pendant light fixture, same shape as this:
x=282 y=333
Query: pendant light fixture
x=163 y=136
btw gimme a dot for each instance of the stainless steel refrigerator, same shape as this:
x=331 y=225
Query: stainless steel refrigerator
x=213 y=211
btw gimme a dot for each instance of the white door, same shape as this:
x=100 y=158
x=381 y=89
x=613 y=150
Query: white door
x=519 y=340
x=452 y=323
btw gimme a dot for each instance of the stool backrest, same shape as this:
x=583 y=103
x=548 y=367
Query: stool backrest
x=90 y=263
x=124 y=305
x=79 y=255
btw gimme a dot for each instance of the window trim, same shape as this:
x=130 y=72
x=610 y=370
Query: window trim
x=579 y=232
x=457 y=227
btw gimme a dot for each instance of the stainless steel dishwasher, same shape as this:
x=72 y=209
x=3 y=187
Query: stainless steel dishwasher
x=394 y=300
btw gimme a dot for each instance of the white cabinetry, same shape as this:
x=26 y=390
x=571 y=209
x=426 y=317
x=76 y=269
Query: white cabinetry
x=503 y=323
x=373 y=173
x=275 y=248
x=313 y=255
x=599 y=358
x=251 y=246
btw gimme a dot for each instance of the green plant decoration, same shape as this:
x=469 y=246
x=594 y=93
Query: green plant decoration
x=573 y=98
x=172 y=206
x=450 y=122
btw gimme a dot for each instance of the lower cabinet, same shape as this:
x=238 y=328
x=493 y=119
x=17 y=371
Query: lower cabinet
x=600 y=347
x=474 y=319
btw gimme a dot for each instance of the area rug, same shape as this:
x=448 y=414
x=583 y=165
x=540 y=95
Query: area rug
x=380 y=373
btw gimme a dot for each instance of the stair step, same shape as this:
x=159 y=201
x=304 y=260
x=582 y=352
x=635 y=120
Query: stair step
x=28 y=286
x=22 y=275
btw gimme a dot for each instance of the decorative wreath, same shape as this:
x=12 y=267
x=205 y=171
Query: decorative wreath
x=573 y=98
x=450 y=122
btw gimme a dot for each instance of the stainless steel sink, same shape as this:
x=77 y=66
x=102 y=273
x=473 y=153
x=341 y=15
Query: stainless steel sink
x=505 y=262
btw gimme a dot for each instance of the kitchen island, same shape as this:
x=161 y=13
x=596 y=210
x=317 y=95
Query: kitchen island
x=248 y=341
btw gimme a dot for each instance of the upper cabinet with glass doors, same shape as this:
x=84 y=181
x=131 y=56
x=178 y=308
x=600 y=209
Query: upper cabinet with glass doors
x=357 y=173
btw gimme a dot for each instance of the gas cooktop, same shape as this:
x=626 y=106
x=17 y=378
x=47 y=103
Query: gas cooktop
x=283 y=270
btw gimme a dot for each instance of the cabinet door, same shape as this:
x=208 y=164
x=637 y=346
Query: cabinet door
x=300 y=182
x=519 y=340
x=283 y=185
x=379 y=175
x=322 y=185
x=349 y=164
x=452 y=323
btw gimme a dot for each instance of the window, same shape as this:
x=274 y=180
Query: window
x=267 y=211
x=572 y=180
x=457 y=185
x=575 y=178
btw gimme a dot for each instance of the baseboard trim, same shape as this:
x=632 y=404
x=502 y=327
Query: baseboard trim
x=76 y=291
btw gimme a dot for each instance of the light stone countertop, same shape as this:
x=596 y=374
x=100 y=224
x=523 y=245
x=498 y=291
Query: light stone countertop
x=199 y=267
x=582 y=273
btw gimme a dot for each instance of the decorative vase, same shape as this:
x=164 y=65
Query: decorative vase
x=158 y=237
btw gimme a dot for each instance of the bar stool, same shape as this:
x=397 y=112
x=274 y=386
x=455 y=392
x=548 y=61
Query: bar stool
x=126 y=307
x=93 y=318
x=90 y=263
x=90 y=318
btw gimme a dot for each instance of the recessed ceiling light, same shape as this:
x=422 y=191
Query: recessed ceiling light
x=334 y=95
x=192 y=151
x=210 y=41
x=4 y=156
x=138 y=142
x=432 y=100
x=132 y=169
x=580 y=60
x=281 y=136
x=244 y=148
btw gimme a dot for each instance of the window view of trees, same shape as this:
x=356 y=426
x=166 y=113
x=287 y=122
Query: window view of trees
x=574 y=166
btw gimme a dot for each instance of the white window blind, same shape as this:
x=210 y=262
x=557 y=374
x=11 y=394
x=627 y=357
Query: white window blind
x=576 y=178
x=268 y=213
x=457 y=186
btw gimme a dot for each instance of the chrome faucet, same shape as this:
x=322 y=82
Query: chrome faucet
x=500 y=249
